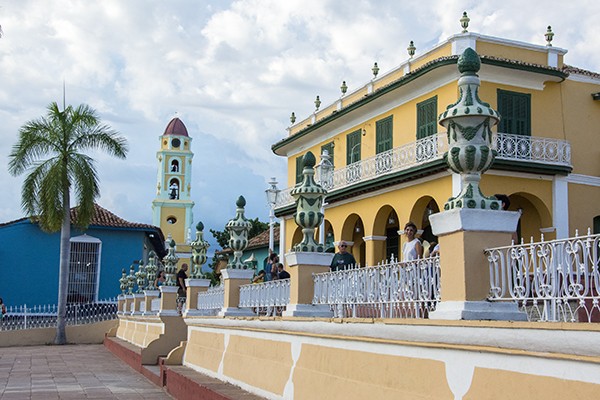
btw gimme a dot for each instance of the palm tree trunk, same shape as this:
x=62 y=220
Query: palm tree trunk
x=63 y=275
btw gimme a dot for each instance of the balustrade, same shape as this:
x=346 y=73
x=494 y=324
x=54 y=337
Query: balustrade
x=267 y=298
x=556 y=280
x=211 y=301
x=391 y=290
x=509 y=147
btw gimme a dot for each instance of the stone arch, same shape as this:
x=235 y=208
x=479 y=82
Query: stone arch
x=386 y=223
x=535 y=215
x=422 y=209
x=353 y=230
x=297 y=236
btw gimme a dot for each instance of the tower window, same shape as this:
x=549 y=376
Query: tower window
x=174 y=166
x=176 y=143
x=174 y=189
x=171 y=220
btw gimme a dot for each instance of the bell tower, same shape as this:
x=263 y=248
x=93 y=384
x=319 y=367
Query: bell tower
x=172 y=207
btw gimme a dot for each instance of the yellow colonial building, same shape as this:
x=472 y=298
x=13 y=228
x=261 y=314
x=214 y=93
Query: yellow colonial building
x=387 y=146
x=172 y=207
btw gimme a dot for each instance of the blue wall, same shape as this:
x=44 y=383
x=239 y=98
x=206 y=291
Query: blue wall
x=29 y=261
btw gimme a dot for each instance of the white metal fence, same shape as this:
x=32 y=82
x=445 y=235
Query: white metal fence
x=212 y=301
x=267 y=298
x=556 y=280
x=44 y=316
x=391 y=290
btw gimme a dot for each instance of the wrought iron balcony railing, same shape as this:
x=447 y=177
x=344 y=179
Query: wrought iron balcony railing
x=544 y=151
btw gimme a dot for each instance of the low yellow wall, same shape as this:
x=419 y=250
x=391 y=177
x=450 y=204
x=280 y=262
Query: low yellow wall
x=79 y=334
x=326 y=359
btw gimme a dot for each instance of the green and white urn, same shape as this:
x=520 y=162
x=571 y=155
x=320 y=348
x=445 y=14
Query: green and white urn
x=170 y=263
x=199 y=247
x=468 y=123
x=238 y=229
x=309 y=197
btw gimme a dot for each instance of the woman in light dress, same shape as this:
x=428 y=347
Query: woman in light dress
x=412 y=249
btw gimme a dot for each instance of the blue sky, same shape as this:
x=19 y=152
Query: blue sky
x=233 y=71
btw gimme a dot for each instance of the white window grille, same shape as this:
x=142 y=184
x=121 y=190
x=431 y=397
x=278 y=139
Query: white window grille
x=84 y=269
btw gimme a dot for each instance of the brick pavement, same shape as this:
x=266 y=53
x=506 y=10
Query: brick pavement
x=70 y=372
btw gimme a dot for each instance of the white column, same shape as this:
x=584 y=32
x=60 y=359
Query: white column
x=560 y=206
x=282 y=248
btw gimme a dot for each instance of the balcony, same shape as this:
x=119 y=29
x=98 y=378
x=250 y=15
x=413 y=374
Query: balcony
x=534 y=151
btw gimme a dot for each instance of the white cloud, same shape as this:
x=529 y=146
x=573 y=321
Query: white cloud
x=234 y=71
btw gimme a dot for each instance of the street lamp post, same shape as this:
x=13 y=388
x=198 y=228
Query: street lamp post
x=272 y=192
x=325 y=175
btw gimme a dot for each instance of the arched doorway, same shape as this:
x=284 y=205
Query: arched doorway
x=534 y=216
x=422 y=210
x=353 y=230
x=386 y=224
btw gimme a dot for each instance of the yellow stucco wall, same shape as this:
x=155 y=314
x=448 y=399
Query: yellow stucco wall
x=512 y=53
x=489 y=384
x=330 y=373
x=176 y=230
x=584 y=205
x=265 y=364
x=582 y=122
x=442 y=51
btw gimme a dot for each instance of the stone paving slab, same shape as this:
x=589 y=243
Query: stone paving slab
x=70 y=372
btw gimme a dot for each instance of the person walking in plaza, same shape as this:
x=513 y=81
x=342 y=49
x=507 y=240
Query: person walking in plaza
x=181 y=288
x=342 y=259
x=412 y=249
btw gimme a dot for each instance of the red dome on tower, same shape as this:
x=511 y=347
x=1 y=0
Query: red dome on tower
x=176 y=127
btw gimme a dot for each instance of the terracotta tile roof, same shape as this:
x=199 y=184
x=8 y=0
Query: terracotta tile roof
x=103 y=217
x=574 y=70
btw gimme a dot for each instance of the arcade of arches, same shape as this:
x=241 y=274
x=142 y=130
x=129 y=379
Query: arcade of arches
x=376 y=234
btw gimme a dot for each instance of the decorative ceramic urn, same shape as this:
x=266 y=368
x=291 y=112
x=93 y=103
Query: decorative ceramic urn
x=468 y=123
x=309 y=197
x=238 y=229
x=199 y=247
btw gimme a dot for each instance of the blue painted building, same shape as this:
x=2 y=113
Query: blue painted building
x=29 y=258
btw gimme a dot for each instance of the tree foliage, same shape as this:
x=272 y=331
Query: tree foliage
x=50 y=150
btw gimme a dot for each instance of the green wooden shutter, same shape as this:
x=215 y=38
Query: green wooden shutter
x=515 y=112
x=427 y=118
x=299 y=166
x=329 y=148
x=353 y=146
x=384 y=134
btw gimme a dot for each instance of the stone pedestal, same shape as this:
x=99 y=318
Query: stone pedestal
x=168 y=300
x=465 y=281
x=194 y=286
x=121 y=304
x=128 y=303
x=137 y=301
x=301 y=266
x=149 y=296
x=233 y=279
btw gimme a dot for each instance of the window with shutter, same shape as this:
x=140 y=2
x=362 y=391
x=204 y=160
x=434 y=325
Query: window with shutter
x=329 y=148
x=299 y=167
x=515 y=112
x=353 y=145
x=383 y=134
x=427 y=118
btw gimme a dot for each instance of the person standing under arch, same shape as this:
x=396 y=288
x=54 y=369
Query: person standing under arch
x=412 y=249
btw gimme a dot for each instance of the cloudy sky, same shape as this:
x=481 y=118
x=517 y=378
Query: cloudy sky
x=233 y=71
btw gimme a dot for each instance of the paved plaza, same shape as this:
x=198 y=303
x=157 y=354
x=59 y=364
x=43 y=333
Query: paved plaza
x=70 y=372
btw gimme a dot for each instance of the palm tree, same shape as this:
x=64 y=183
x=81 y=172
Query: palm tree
x=51 y=150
